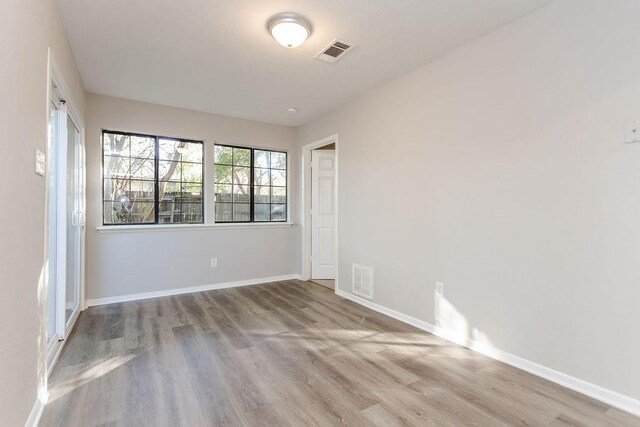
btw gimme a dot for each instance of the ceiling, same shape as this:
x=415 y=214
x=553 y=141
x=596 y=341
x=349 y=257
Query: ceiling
x=217 y=56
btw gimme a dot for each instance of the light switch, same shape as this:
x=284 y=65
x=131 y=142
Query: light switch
x=41 y=163
x=631 y=132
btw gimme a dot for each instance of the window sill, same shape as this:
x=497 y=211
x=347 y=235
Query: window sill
x=187 y=227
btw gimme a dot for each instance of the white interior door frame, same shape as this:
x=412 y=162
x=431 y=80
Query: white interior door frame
x=306 y=205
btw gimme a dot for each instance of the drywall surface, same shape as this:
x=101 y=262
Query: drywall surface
x=124 y=263
x=29 y=28
x=500 y=170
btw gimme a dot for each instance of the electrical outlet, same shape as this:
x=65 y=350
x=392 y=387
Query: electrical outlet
x=440 y=289
x=214 y=262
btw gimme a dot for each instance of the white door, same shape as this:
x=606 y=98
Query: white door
x=73 y=213
x=323 y=216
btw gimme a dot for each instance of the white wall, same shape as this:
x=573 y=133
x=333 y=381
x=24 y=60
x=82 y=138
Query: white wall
x=500 y=170
x=149 y=260
x=28 y=28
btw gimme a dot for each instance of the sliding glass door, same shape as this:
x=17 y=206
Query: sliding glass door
x=65 y=222
x=52 y=220
x=73 y=223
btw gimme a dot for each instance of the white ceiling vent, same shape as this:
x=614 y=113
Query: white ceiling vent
x=335 y=50
x=363 y=281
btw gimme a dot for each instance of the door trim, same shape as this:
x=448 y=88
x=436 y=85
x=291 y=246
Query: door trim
x=306 y=206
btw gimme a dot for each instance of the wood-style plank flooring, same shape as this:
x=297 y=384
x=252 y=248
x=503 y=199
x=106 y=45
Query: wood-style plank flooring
x=288 y=354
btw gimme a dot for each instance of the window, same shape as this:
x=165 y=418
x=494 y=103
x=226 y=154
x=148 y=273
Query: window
x=151 y=179
x=250 y=184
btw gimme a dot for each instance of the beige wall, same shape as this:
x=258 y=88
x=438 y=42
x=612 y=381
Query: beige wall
x=500 y=170
x=28 y=28
x=150 y=261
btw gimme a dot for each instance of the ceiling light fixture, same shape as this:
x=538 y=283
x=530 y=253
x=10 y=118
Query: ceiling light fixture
x=289 y=29
x=292 y=110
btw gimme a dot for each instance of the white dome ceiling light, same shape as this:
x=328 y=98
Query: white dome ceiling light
x=289 y=29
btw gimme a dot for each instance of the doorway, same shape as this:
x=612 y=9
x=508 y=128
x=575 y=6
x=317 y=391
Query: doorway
x=65 y=216
x=320 y=177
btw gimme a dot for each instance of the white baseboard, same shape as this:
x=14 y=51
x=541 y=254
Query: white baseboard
x=179 y=291
x=602 y=394
x=36 y=413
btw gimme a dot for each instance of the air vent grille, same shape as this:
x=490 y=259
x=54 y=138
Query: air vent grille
x=333 y=51
x=336 y=49
x=363 y=281
x=341 y=45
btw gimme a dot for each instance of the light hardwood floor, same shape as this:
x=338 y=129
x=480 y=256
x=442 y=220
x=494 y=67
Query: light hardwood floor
x=288 y=353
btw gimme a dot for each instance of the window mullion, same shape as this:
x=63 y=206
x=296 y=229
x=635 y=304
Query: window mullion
x=157 y=181
x=270 y=189
x=251 y=188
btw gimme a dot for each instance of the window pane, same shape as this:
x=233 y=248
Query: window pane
x=187 y=176
x=223 y=155
x=241 y=193
x=182 y=213
x=193 y=152
x=142 y=191
x=142 y=212
x=278 y=160
x=241 y=157
x=261 y=194
x=241 y=212
x=169 y=149
x=192 y=172
x=191 y=213
x=129 y=178
x=143 y=169
x=279 y=178
x=224 y=212
x=241 y=175
x=261 y=159
x=192 y=191
x=261 y=212
x=169 y=209
x=169 y=171
x=143 y=147
x=278 y=212
x=116 y=166
x=223 y=174
x=223 y=193
x=171 y=189
x=113 y=187
x=278 y=195
x=115 y=213
x=115 y=144
x=261 y=177
x=173 y=149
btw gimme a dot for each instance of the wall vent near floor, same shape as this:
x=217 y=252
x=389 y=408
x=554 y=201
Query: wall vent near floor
x=335 y=50
x=363 y=281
